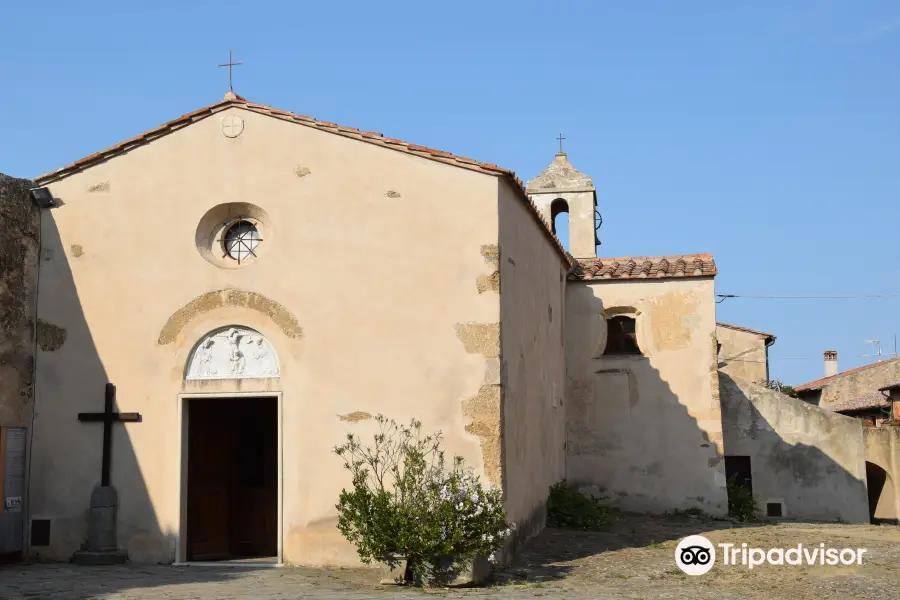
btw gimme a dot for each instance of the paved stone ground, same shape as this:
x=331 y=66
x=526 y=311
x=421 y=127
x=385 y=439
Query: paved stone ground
x=634 y=559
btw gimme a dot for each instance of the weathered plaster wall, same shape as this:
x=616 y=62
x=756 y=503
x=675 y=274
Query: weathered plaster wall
x=532 y=367
x=645 y=431
x=19 y=228
x=371 y=299
x=883 y=449
x=809 y=458
x=742 y=354
x=853 y=385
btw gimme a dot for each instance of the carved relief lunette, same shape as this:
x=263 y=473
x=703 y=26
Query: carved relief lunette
x=232 y=353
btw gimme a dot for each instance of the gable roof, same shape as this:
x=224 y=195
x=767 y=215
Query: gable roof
x=818 y=384
x=761 y=334
x=644 y=267
x=233 y=100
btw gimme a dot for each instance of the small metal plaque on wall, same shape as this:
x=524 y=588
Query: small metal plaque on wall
x=12 y=488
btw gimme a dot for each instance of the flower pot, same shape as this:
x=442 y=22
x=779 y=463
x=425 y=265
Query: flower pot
x=450 y=571
x=393 y=572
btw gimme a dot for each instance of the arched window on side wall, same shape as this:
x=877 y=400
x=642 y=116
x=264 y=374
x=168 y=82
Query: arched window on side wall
x=621 y=336
x=559 y=220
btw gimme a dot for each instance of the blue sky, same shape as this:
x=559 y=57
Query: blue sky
x=764 y=132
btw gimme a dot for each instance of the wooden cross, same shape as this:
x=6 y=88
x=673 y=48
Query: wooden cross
x=108 y=417
x=230 y=64
x=560 y=138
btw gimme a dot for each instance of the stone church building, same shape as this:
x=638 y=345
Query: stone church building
x=255 y=284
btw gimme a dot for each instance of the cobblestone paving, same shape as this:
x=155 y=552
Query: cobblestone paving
x=633 y=560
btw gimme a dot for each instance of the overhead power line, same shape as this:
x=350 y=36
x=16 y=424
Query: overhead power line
x=724 y=297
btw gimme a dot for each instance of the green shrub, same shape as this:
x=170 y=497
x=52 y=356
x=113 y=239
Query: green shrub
x=568 y=508
x=406 y=504
x=741 y=504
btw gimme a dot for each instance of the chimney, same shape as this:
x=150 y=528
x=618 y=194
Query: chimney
x=831 y=366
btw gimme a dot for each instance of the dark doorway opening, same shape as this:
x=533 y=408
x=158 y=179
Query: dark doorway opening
x=737 y=471
x=740 y=482
x=882 y=500
x=232 y=482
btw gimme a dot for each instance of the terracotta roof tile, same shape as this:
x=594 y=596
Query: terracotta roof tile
x=644 y=267
x=872 y=400
x=365 y=136
x=747 y=330
x=818 y=384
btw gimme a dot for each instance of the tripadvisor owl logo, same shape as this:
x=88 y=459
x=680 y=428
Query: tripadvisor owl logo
x=695 y=555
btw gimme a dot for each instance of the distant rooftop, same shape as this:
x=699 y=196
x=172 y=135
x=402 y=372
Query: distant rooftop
x=761 y=334
x=818 y=384
x=866 y=401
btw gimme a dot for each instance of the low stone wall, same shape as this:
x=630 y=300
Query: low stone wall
x=809 y=459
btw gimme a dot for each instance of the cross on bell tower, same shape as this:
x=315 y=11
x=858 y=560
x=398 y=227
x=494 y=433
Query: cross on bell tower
x=560 y=139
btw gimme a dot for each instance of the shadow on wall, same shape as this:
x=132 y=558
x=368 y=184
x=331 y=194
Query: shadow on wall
x=630 y=439
x=70 y=378
x=806 y=463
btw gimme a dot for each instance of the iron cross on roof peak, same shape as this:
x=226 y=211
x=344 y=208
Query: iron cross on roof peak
x=230 y=64
x=560 y=138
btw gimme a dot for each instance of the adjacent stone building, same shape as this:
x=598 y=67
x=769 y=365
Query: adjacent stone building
x=839 y=388
x=19 y=330
x=871 y=409
x=744 y=353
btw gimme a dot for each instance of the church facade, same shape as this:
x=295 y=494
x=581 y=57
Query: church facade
x=256 y=284
x=246 y=253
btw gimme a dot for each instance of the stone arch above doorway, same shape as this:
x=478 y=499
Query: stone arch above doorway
x=280 y=315
x=232 y=352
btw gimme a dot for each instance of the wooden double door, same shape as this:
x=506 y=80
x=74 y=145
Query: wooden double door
x=232 y=480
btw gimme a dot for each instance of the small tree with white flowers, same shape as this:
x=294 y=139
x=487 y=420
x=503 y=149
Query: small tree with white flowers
x=406 y=504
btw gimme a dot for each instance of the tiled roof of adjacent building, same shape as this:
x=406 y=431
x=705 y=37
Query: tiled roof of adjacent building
x=873 y=400
x=820 y=383
x=747 y=330
x=233 y=100
x=890 y=386
x=644 y=267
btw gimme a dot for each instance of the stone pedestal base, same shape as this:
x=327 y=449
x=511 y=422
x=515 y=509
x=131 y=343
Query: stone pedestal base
x=100 y=546
x=446 y=573
x=86 y=557
x=442 y=572
x=395 y=575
